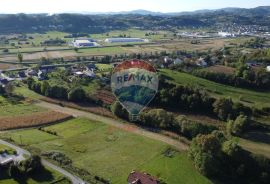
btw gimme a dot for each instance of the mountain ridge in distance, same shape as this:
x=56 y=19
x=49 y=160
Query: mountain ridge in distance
x=265 y=9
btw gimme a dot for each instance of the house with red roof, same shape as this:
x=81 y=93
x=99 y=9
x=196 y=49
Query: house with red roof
x=136 y=177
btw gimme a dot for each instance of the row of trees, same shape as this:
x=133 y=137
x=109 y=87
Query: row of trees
x=244 y=77
x=161 y=119
x=76 y=94
x=197 y=100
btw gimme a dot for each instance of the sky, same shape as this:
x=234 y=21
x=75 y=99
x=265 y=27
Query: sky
x=60 y=6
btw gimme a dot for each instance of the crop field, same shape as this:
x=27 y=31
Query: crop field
x=4 y=66
x=36 y=49
x=245 y=96
x=101 y=51
x=35 y=119
x=105 y=96
x=110 y=152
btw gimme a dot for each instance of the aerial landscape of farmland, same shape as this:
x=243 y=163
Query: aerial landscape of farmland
x=110 y=93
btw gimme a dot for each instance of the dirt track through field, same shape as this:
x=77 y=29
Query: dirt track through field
x=116 y=123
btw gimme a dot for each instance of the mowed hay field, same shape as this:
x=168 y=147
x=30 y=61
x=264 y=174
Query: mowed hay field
x=109 y=152
x=245 y=96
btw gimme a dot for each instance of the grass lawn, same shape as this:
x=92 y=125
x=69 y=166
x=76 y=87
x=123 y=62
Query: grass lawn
x=248 y=97
x=10 y=108
x=104 y=66
x=27 y=93
x=111 y=153
x=47 y=177
x=8 y=149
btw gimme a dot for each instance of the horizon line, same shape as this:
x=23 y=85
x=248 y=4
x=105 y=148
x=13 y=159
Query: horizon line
x=115 y=12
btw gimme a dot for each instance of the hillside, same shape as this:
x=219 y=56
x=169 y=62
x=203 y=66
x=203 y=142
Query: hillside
x=18 y=23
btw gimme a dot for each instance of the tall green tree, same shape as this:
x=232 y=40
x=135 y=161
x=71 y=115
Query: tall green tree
x=20 y=57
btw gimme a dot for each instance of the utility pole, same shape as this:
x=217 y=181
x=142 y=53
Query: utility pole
x=21 y=139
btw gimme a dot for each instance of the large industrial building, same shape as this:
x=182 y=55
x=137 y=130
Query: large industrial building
x=125 y=40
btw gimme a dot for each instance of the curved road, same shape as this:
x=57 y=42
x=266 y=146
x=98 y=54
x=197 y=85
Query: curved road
x=116 y=123
x=21 y=152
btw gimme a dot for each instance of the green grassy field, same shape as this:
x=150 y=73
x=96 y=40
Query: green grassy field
x=8 y=149
x=102 y=51
x=49 y=35
x=10 y=108
x=111 y=153
x=104 y=66
x=47 y=177
x=248 y=97
x=132 y=33
x=27 y=93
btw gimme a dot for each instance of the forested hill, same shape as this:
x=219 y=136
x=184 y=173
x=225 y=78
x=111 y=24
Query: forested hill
x=22 y=23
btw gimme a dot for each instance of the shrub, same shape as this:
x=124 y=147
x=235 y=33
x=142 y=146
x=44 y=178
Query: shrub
x=238 y=126
x=191 y=129
x=158 y=118
x=223 y=108
x=118 y=110
x=76 y=94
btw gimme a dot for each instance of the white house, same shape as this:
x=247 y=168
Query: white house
x=268 y=68
x=201 y=62
x=167 y=59
x=124 y=40
x=178 y=61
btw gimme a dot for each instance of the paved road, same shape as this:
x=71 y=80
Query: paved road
x=21 y=152
x=116 y=123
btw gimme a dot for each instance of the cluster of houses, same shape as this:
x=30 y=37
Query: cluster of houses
x=77 y=70
x=167 y=61
x=253 y=64
x=225 y=33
